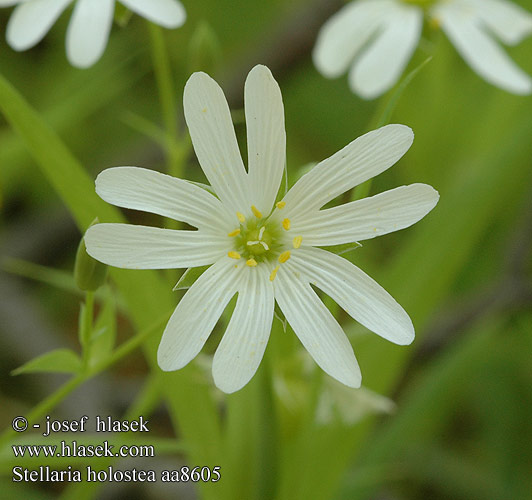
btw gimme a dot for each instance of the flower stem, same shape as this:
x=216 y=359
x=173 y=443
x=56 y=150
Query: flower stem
x=49 y=403
x=86 y=329
x=165 y=85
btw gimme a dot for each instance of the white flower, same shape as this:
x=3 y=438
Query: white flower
x=89 y=26
x=375 y=39
x=262 y=250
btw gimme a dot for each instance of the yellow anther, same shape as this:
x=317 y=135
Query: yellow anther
x=274 y=273
x=236 y=232
x=256 y=212
x=204 y=110
x=297 y=241
x=284 y=256
x=286 y=224
x=280 y=204
x=251 y=262
x=233 y=255
x=241 y=217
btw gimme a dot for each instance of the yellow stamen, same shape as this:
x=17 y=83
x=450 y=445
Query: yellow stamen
x=274 y=273
x=280 y=204
x=286 y=224
x=241 y=217
x=297 y=241
x=251 y=262
x=256 y=212
x=233 y=255
x=284 y=256
x=236 y=232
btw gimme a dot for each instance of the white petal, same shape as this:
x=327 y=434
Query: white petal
x=9 y=3
x=88 y=31
x=345 y=33
x=213 y=136
x=383 y=62
x=354 y=291
x=362 y=159
x=481 y=52
x=266 y=136
x=240 y=352
x=30 y=21
x=150 y=191
x=196 y=315
x=167 y=13
x=510 y=22
x=364 y=219
x=142 y=247
x=316 y=327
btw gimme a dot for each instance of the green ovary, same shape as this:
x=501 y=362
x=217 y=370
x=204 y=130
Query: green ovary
x=258 y=239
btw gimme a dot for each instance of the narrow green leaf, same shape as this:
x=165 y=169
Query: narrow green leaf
x=58 y=361
x=58 y=164
x=189 y=277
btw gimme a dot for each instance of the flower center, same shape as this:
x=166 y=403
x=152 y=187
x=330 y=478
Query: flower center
x=260 y=239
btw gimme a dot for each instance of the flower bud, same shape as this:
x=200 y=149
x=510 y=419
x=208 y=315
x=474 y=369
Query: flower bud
x=89 y=273
x=204 y=50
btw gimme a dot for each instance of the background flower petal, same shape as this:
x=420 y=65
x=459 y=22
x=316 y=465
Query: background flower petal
x=167 y=13
x=242 y=347
x=266 y=136
x=362 y=159
x=353 y=290
x=213 y=136
x=315 y=326
x=481 y=52
x=382 y=63
x=367 y=218
x=88 y=31
x=509 y=21
x=345 y=33
x=30 y=21
x=142 y=247
x=143 y=189
x=196 y=315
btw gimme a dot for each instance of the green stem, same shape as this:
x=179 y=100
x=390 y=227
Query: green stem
x=49 y=403
x=86 y=329
x=165 y=86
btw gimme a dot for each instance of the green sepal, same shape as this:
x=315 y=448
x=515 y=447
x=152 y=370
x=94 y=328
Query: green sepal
x=280 y=316
x=89 y=273
x=57 y=361
x=189 y=277
x=204 y=186
x=343 y=249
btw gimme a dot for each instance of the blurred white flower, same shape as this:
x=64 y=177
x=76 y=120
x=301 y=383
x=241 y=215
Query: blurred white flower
x=374 y=40
x=262 y=250
x=89 y=26
x=340 y=403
